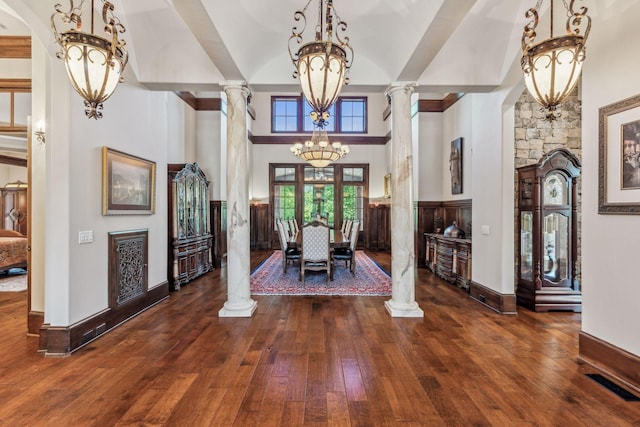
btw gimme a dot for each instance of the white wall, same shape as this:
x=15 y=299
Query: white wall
x=611 y=295
x=135 y=121
x=430 y=169
x=10 y=173
x=457 y=122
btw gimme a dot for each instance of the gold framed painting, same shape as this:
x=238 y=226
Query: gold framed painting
x=619 y=158
x=128 y=184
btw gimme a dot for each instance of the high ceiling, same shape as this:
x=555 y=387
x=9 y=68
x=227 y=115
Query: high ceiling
x=446 y=46
x=197 y=45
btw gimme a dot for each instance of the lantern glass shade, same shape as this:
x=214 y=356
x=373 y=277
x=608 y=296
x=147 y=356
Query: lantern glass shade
x=321 y=70
x=93 y=70
x=552 y=69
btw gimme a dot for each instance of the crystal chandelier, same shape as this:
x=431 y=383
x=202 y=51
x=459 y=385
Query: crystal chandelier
x=321 y=65
x=94 y=63
x=318 y=151
x=552 y=67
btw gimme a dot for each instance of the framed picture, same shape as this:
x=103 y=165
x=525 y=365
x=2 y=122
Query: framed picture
x=455 y=166
x=387 y=186
x=619 y=158
x=128 y=184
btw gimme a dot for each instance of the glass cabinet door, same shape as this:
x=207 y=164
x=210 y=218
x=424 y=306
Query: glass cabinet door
x=555 y=249
x=526 y=245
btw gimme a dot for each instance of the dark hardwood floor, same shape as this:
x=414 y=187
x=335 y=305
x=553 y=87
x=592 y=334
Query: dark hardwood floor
x=313 y=361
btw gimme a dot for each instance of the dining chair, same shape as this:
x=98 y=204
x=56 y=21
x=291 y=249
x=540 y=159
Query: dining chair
x=285 y=224
x=348 y=255
x=316 y=250
x=347 y=228
x=292 y=227
x=288 y=254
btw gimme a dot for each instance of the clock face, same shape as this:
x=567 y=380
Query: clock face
x=555 y=188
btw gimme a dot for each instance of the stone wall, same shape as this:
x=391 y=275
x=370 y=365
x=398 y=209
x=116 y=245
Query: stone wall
x=534 y=137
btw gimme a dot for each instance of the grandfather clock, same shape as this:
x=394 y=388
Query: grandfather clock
x=547 y=220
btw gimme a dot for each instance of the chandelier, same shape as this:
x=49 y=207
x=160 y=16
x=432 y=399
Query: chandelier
x=94 y=63
x=321 y=65
x=552 y=67
x=318 y=151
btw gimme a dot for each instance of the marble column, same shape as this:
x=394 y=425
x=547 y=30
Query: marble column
x=403 y=292
x=239 y=302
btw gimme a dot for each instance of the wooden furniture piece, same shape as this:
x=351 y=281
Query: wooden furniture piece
x=434 y=216
x=449 y=258
x=378 y=228
x=13 y=250
x=547 y=224
x=288 y=254
x=336 y=239
x=316 y=251
x=348 y=255
x=13 y=203
x=261 y=225
x=190 y=238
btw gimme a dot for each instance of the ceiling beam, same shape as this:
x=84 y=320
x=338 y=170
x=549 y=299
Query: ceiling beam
x=15 y=47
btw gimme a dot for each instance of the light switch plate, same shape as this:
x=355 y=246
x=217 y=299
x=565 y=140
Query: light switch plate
x=484 y=229
x=85 y=236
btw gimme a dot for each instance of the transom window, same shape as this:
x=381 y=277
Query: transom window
x=290 y=114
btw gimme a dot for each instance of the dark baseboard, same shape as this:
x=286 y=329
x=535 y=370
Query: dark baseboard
x=61 y=341
x=502 y=303
x=35 y=319
x=618 y=365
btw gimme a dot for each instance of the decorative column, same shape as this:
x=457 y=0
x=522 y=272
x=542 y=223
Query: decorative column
x=239 y=302
x=403 y=293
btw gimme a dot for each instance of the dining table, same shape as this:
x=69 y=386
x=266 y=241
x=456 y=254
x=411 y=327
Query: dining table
x=336 y=240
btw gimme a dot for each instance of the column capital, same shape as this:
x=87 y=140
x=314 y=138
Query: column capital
x=239 y=85
x=406 y=87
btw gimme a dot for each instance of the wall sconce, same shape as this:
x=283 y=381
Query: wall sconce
x=40 y=133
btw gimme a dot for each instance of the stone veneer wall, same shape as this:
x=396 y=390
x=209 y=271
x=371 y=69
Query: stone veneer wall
x=534 y=137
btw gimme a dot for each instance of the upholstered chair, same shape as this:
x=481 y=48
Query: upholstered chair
x=348 y=255
x=316 y=250
x=288 y=254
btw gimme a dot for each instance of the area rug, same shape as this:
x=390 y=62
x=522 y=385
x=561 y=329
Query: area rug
x=15 y=281
x=370 y=279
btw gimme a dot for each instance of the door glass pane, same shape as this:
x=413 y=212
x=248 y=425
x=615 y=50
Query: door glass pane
x=284 y=202
x=556 y=247
x=353 y=204
x=318 y=203
x=526 y=245
x=318 y=174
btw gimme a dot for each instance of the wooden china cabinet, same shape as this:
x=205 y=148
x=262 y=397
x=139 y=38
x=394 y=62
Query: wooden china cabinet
x=547 y=223
x=190 y=238
x=13 y=205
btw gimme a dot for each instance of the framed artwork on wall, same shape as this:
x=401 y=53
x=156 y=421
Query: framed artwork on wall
x=128 y=184
x=619 y=158
x=455 y=166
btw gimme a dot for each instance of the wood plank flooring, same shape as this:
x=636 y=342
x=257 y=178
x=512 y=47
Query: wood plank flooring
x=309 y=361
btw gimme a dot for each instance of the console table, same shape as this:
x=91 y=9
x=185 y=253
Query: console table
x=449 y=258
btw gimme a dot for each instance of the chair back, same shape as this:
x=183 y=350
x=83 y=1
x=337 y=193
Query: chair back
x=282 y=235
x=292 y=227
x=353 y=238
x=347 y=228
x=344 y=226
x=285 y=224
x=315 y=242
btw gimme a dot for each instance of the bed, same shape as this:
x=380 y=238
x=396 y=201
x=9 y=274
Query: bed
x=13 y=250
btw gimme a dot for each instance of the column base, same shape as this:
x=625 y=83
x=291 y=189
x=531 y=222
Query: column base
x=403 y=310
x=238 y=310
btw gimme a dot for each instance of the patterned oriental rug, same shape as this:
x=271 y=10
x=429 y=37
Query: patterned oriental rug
x=370 y=279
